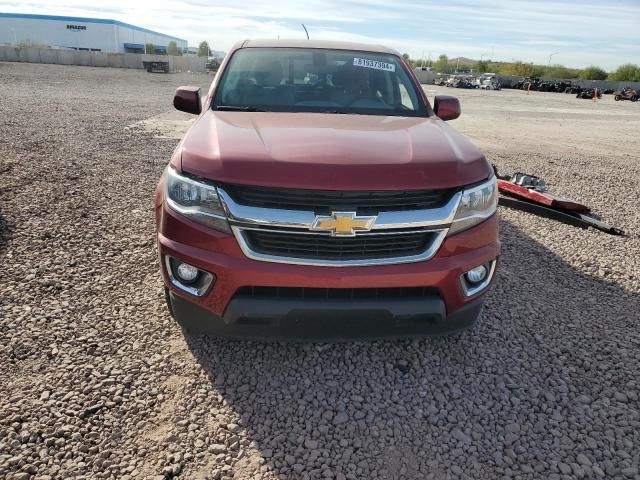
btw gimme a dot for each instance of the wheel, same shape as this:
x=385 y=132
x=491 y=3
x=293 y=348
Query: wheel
x=634 y=98
x=617 y=98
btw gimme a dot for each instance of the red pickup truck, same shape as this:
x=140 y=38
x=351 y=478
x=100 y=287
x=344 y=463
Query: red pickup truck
x=320 y=195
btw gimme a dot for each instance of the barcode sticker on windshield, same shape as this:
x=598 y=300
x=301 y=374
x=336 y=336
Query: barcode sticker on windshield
x=363 y=62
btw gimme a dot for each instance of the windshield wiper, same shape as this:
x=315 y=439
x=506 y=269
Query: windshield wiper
x=341 y=112
x=235 y=108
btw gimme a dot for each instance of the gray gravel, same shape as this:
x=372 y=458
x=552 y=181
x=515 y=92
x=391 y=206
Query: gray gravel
x=97 y=382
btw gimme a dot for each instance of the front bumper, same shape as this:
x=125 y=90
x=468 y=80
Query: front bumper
x=325 y=319
x=225 y=311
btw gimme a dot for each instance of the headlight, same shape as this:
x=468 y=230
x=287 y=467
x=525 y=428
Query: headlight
x=476 y=205
x=195 y=200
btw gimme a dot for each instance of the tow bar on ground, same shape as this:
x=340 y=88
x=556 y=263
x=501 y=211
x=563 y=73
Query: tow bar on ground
x=525 y=192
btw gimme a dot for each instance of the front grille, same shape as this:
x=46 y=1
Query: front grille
x=326 y=201
x=308 y=293
x=325 y=247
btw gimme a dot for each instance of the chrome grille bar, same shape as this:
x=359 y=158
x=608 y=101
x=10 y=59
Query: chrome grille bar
x=292 y=223
x=439 y=236
x=272 y=217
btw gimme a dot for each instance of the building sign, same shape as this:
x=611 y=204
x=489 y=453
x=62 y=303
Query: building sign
x=76 y=27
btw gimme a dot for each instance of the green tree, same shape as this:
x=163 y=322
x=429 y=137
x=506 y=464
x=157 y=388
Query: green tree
x=560 y=71
x=203 y=49
x=538 y=70
x=626 y=73
x=493 y=66
x=442 y=64
x=172 y=48
x=482 y=67
x=406 y=57
x=150 y=48
x=518 y=69
x=593 y=73
x=505 y=69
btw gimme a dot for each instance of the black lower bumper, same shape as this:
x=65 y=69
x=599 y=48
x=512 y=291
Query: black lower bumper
x=307 y=319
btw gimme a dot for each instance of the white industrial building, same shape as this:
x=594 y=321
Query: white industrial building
x=80 y=33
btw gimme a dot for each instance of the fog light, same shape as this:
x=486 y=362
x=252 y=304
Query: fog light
x=476 y=275
x=187 y=273
x=477 y=279
x=188 y=278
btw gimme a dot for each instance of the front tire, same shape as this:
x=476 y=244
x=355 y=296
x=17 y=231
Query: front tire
x=617 y=98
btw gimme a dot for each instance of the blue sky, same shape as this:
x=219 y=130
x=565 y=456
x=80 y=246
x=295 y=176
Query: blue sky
x=582 y=33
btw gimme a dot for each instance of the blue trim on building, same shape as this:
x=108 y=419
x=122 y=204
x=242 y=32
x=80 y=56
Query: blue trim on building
x=140 y=46
x=86 y=20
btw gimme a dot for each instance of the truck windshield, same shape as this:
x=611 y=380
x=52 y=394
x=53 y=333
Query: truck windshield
x=317 y=80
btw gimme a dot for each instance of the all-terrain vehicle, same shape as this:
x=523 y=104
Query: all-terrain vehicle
x=626 y=94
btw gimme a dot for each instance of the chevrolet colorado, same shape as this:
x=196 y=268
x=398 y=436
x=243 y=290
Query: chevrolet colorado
x=319 y=194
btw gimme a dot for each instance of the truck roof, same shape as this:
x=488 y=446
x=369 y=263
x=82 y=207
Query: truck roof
x=326 y=44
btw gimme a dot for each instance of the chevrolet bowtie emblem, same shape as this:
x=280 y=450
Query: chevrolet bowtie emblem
x=343 y=224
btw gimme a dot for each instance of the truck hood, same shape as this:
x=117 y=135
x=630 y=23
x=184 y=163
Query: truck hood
x=330 y=151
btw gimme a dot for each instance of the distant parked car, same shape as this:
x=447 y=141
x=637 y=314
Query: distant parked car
x=626 y=94
x=588 y=93
x=212 y=65
x=156 y=66
x=490 y=84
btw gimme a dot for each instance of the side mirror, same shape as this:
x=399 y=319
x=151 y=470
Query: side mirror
x=187 y=99
x=446 y=107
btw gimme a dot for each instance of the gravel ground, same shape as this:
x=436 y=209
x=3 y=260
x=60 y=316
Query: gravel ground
x=97 y=382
